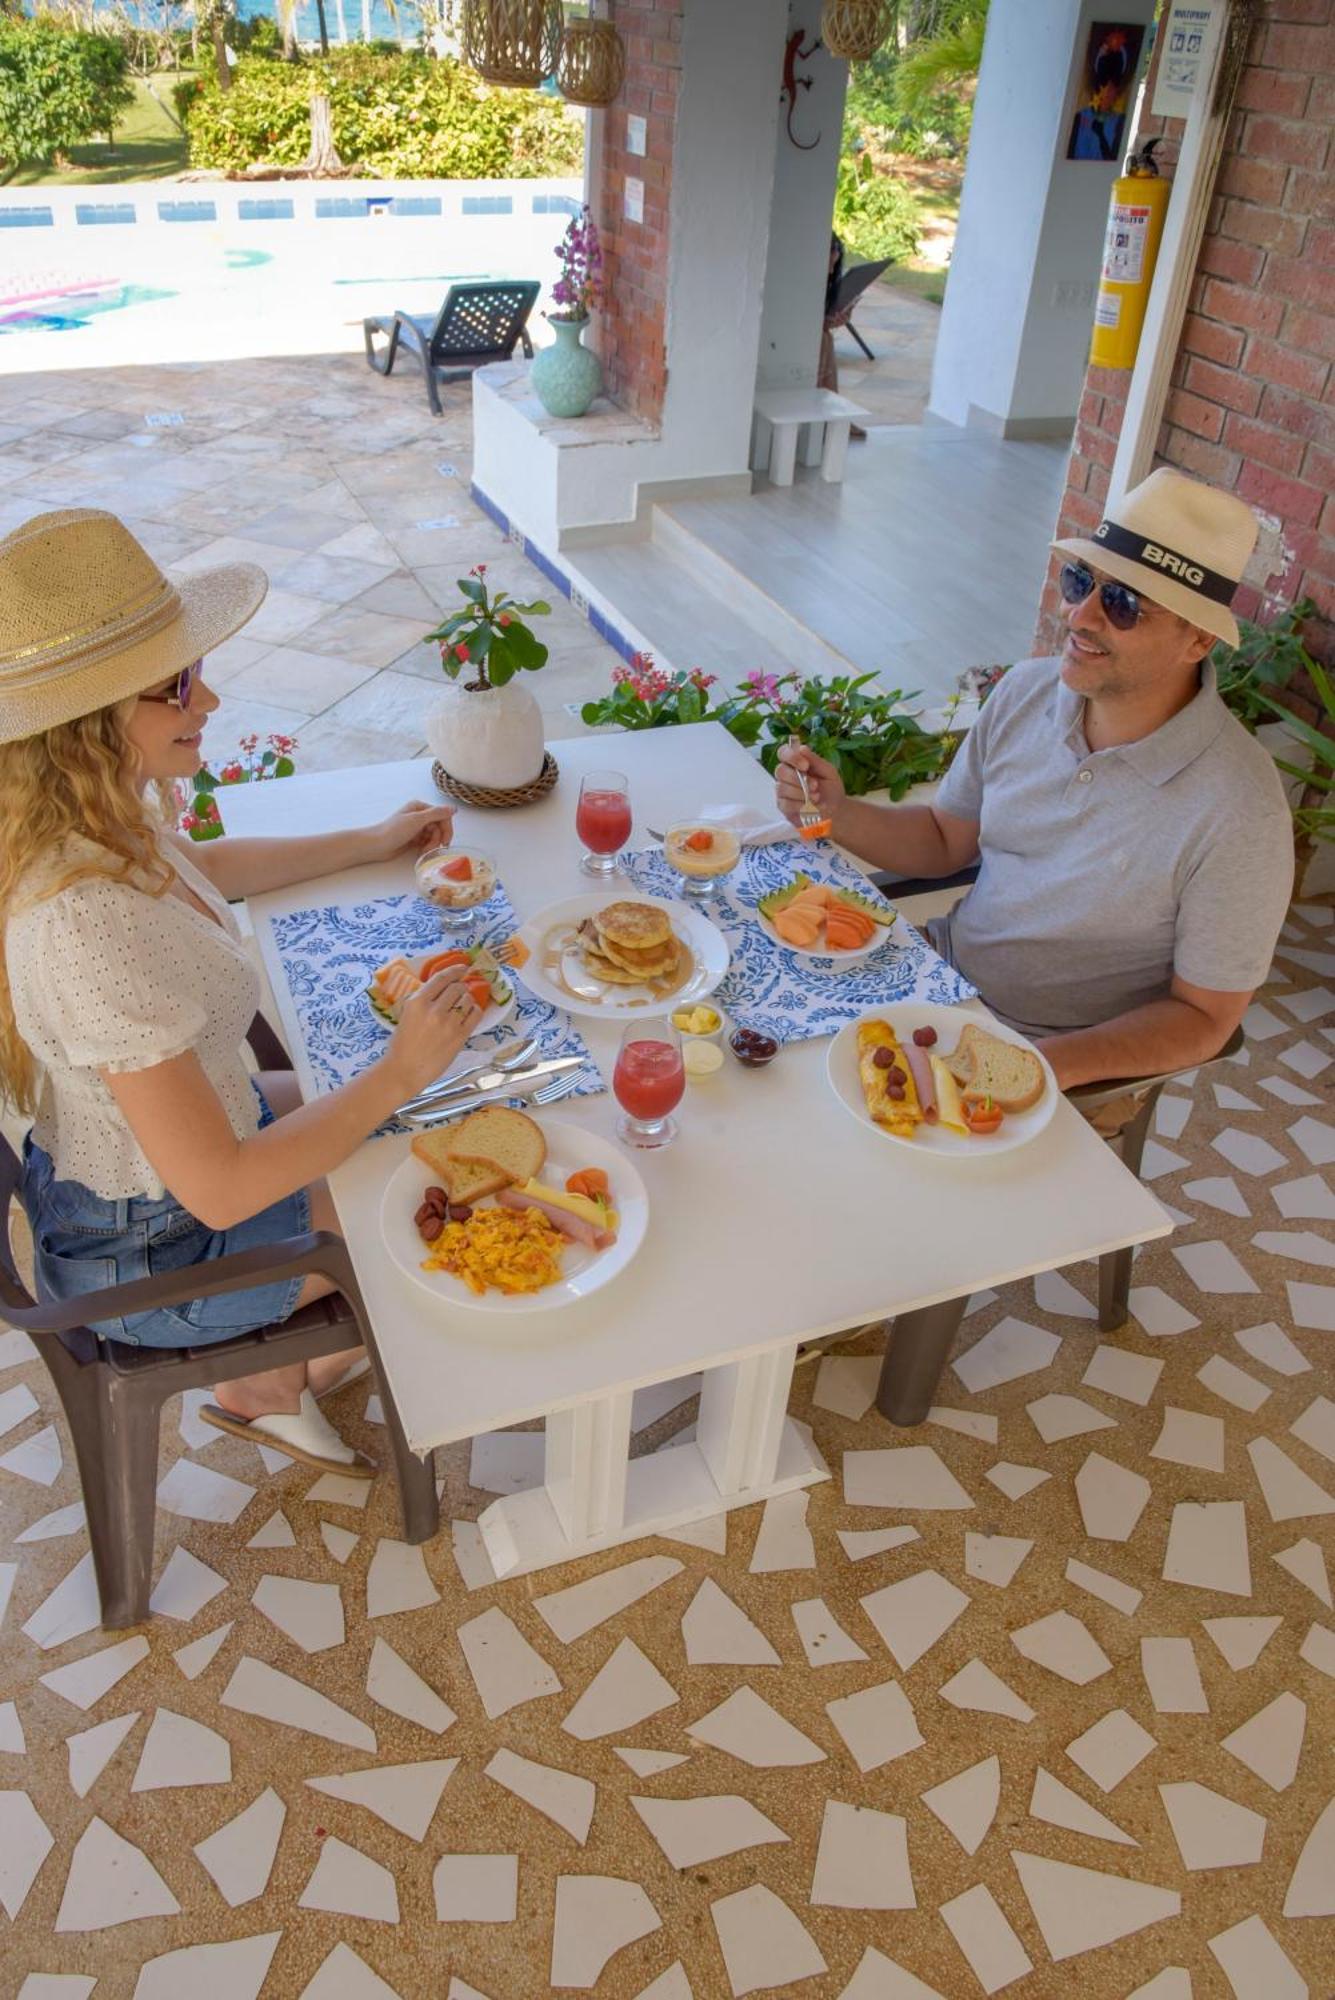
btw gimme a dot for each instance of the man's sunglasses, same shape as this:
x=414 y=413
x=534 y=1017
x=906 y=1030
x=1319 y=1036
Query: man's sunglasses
x=179 y=695
x=1121 y=607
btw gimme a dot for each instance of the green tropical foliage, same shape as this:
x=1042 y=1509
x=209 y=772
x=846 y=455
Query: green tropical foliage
x=488 y=636
x=874 y=214
x=395 y=114
x=1266 y=662
x=59 y=85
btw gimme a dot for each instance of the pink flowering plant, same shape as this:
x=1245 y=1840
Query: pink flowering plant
x=488 y=634
x=580 y=286
x=201 y=818
x=862 y=730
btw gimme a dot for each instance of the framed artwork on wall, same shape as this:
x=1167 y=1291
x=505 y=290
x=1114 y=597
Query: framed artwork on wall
x=1104 y=96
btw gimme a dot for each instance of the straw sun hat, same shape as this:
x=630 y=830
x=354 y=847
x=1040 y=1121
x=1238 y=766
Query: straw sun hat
x=1178 y=542
x=87 y=618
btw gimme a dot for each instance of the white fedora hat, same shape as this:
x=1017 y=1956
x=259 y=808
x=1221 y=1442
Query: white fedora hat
x=87 y=618
x=1179 y=542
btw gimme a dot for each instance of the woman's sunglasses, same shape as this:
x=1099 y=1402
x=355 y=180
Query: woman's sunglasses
x=178 y=696
x=1121 y=607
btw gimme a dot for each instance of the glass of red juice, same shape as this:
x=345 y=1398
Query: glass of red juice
x=648 y=1082
x=602 y=821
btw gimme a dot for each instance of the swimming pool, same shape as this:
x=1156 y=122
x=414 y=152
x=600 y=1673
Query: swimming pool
x=165 y=271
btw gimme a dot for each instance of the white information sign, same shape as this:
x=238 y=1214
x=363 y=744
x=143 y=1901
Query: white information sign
x=1187 y=36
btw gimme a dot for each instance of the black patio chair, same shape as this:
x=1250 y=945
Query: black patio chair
x=855 y=281
x=112 y=1394
x=480 y=322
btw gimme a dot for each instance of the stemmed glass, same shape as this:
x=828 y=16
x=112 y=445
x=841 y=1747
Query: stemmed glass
x=648 y=1082
x=603 y=821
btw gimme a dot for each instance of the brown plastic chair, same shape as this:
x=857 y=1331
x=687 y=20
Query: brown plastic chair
x=919 y=1343
x=112 y=1393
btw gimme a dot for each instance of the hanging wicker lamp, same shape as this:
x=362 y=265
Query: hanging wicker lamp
x=512 y=42
x=592 y=67
x=855 y=29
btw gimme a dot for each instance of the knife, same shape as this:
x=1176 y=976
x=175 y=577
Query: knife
x=487 y=1083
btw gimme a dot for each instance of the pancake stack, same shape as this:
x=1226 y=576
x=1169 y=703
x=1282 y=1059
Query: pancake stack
x=627 y=944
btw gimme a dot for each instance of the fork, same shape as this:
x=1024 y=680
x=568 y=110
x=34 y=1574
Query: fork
x=513 y=1058
x=547 y=1093
x=811 y=821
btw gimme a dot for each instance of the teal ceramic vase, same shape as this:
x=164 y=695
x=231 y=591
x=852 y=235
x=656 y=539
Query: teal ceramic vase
x=566 y=376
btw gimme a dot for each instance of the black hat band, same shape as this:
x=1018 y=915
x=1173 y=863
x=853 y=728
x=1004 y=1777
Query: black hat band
x=1166 y=562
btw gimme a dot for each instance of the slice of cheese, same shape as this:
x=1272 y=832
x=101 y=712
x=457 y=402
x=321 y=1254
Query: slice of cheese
x=949 y=1105
x=575 y=1204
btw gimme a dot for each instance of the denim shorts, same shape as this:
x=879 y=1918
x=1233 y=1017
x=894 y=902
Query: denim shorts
x=83 y=1243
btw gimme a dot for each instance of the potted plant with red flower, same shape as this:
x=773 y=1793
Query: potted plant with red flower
x=488 y=729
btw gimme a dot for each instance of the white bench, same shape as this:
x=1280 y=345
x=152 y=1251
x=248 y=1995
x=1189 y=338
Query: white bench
x=781 y=413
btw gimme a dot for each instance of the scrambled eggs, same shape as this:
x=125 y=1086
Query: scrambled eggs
x=512 y=1250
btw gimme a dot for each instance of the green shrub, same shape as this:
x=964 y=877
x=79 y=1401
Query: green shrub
x=876 y=215
x=58 y=87
x=400 y=115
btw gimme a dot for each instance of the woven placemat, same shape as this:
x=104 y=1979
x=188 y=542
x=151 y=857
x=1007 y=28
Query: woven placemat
x=494 y=795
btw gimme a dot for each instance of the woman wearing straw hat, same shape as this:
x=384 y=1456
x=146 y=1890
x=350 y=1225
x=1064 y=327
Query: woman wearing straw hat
x=125 y=989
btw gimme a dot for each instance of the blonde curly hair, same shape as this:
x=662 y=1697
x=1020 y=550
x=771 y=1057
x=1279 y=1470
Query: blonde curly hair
x=79 y=778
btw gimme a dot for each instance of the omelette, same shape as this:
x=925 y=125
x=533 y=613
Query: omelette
x=902 y=1115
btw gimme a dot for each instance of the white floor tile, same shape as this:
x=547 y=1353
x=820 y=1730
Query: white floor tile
x=256 y=1688
x=1111 y=1498
x=198 y=1493
x=859 y=1543
x=1242 y=1640
x=1057 y=1417
x=85 y=1681
x=1307 y=1561
x=1172 y=1677
x=1081 y=1909
x=1207 y=1547
x=1232 y=1384
x=395 y=1685
x=13 y=1743
x=1123 y=1597
x=648 y=1763
x=626 y=1690
x=404 y=1796
x=1212 y=1267
x=111 y=1882
x=1318 y=1649
x=877 y=1724
x=1315 y=1140
x=862 y=1862
x=180 y=1751
x=397 y=1580
x=1064 y=1645
x=1311 y=1891
x=239 y=1855
x=975 y=1687
x=476 y=1888
x=1190 y=1437
x=692 y=1832
x=967 y=1803
x=1290 y=1494
x=994 y=1559
x=746 y=1727
x=1270 y=1742
x=1248 y=1152
x=185 y=1587
x=309 y=1614
x=1016 y=1480
x=1057 y=1805
x=910 y=1477
x=573 y=1612
x=91 y=1750
x=966 y=1423
x=596 y=1917
x=69 y=1520
x=335 y=1489
x=344 y=1976
x=275 y=1534
x=1309 y=1197
x=1117 y=1372
x=1312 y=1305
x=1253 y=1963
x=1010 y=1349
x=506 y=1670
x=1271 y=1346
x=980 y=1928
x=783 y=1540
x=846 y=1384
x=340 y=1542
x=824 y=1640
x=348 y=1883
x=762 y=1942
x=25 y=1842
x=718 y=1632
x=1110 y=1749
x=38 y=1458
x=561 y=1796
x=235 y=1970
x=71 y=1609
x=1160 y=1316
x=914 y=1613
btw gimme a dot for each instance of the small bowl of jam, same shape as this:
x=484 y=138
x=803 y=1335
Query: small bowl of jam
x=752 y=1048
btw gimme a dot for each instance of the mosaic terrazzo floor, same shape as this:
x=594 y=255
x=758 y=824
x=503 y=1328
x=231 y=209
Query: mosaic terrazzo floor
x=1038 y=1698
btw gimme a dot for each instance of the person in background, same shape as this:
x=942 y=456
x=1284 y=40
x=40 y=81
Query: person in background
x=126 y=990
x=827 y=372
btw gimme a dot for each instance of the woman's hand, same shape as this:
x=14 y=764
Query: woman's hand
x=433 y=1026
x=413 y=829
x=823 y=782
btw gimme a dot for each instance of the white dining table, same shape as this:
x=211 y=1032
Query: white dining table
x=772 y=1219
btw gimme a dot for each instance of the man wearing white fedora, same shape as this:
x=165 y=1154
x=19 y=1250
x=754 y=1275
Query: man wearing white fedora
x=1133 y=842
x=126 y=990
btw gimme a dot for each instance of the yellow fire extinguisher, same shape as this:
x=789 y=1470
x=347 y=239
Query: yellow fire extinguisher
x=1131 y=247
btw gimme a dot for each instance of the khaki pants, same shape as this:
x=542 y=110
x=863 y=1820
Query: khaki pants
x=1111 y=1119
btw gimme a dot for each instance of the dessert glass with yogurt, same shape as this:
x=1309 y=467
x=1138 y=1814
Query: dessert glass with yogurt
x=702 y=854
x=456 y=880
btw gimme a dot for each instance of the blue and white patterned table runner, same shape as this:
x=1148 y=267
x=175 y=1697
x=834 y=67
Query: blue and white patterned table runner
x=775 y=990
x=329 y=952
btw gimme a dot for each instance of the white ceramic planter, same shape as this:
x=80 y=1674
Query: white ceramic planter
x=488 y=736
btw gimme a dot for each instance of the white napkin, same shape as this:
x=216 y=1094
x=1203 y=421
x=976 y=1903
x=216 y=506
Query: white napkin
x=753 y=826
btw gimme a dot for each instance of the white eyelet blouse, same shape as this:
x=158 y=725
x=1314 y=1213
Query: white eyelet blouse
x=104 y=976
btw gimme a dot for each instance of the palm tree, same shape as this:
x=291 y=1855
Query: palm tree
x=948 y=60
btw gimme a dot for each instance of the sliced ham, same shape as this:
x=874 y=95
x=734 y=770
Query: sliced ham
x=924 y=1082
x=573 y=1226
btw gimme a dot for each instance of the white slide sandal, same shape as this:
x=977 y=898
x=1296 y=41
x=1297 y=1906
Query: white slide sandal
x=306 y=1435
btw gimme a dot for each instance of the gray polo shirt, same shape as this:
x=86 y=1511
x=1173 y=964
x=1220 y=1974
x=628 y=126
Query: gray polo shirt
x=1106 y=872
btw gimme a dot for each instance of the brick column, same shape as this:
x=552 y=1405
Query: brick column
x=1252 y=402
x=632 y=326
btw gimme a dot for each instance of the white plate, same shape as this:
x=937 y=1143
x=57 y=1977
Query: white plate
x=569 y=1147
x=1017 y=1128
x=495 y=1017
x=594 y=1000
x=881 y=936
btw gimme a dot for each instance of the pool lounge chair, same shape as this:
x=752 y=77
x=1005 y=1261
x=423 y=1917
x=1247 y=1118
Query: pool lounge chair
x=478 y=323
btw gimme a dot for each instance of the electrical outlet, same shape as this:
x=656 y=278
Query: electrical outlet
x=636 y=134
x=579 y=602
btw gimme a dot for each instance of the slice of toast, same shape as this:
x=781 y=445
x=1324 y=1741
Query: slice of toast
x=985 y=1066
x=490 y=1150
